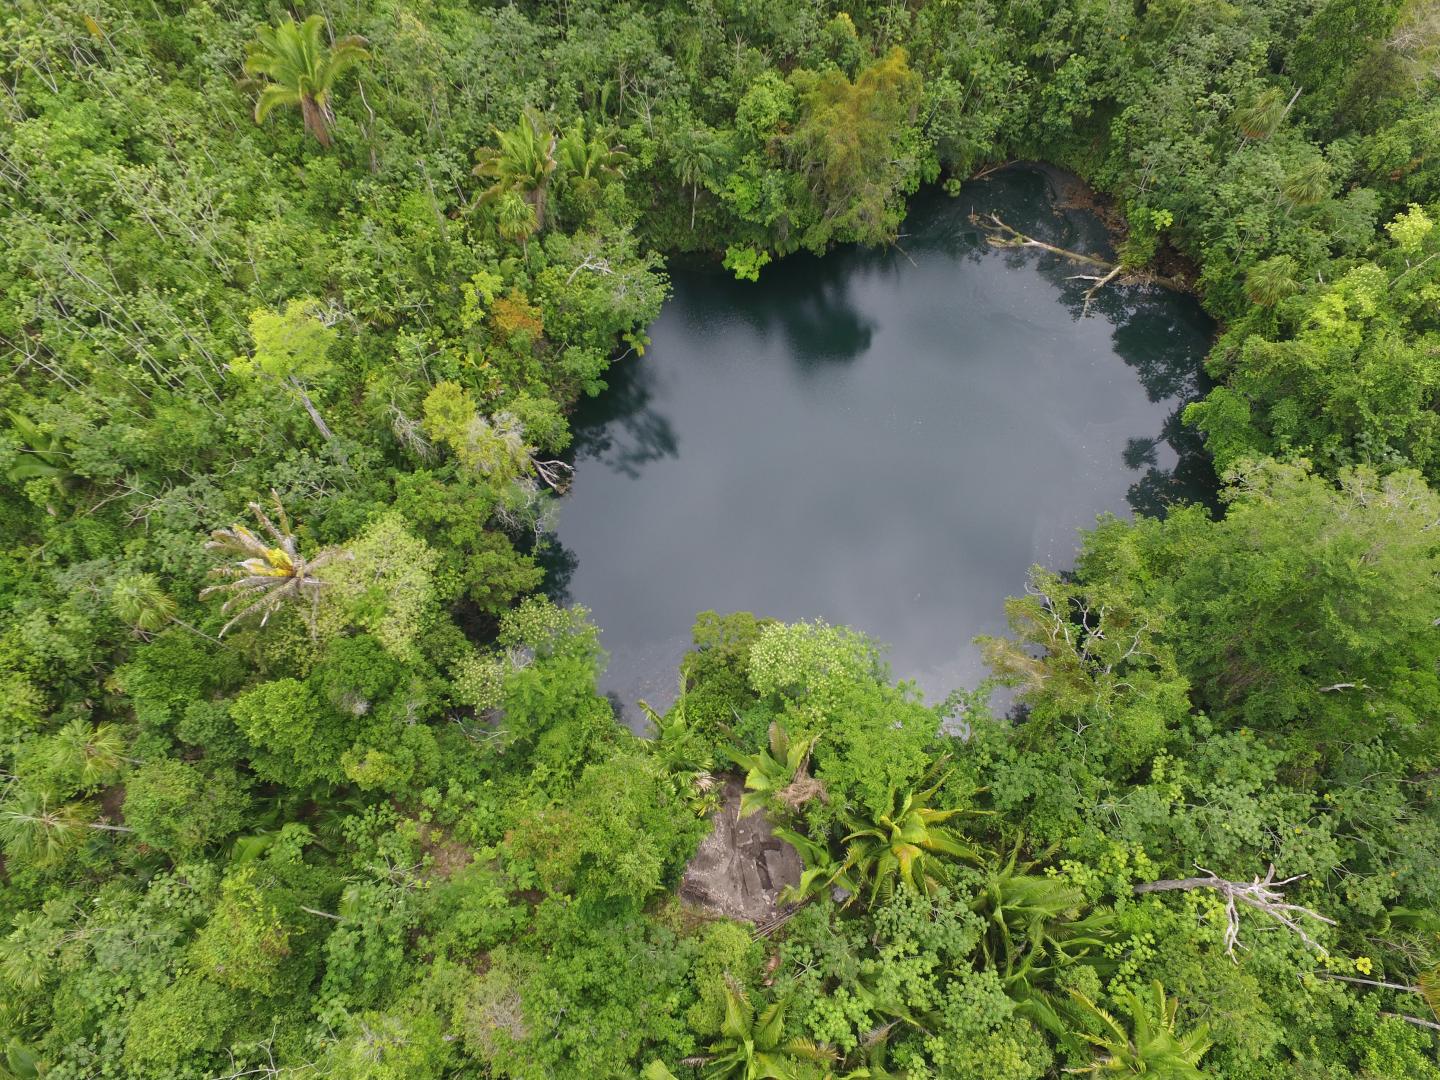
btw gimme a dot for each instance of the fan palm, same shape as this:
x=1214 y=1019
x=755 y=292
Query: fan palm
x=587 y=158
x=522 y=162
x=910 y=845
x=1261 y=117
x=303 y=70
x=1033 y=923
x=1271 y=281
x=91 y=754
x=515 y=219
x=1155 y=1048
x=139 y=602
x=780 y=772
x=752 y=1046
x=269 y=576
x=1307 y=185
x=35 y=828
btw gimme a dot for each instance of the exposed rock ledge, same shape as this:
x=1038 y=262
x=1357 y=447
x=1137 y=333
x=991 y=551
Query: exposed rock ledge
x=741 y=868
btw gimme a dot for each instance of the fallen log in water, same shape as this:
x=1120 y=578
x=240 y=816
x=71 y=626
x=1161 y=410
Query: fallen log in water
x=999 y=234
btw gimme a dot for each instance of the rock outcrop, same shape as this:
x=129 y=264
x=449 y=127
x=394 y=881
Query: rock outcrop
x=741 y=867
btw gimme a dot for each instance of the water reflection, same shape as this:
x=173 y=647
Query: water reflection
x=621 y=428
x=882 y=438
x=809 y=311
x=559 y=564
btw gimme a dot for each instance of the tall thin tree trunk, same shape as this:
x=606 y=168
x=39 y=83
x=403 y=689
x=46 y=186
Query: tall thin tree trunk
x=315 y=120
x=319 y=421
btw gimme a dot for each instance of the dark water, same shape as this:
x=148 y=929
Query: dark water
x=886 y=439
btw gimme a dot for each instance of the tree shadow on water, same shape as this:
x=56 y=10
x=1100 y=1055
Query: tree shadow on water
x=1190 y=480
x=559 y=564
x=805 y=302
x=1164 y=338
x=620 y=428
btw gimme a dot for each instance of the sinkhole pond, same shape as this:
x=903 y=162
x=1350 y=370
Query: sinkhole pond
x=883 y=438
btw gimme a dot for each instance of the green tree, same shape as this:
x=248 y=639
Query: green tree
x=851 y=146
x=910 y=846
x=292 y=348
x=1153 y=1047
x=521 y=163
x=298 y=738
x=386 y=585
x=753 y=1046
x=1309 y=608
x=178 y=808
x=246 y=940
x=302 y=70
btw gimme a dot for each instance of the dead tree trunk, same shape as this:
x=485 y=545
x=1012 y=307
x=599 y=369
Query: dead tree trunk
x=998 y=234
x=1262 y=894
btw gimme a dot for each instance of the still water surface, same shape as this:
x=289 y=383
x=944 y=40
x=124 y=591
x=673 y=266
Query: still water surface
x=886 y=439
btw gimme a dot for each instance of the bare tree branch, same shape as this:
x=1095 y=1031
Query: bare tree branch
x=1262 y=894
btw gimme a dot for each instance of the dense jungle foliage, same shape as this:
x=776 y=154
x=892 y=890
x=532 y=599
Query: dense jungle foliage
x=331 y=793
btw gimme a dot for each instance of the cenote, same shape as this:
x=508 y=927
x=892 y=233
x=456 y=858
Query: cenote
x=883 y=438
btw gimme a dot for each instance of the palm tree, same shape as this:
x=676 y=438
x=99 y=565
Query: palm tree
x=694 y=155
x=1307 y=185
x=910 y=845
x=44 y=457
x=780 y=773
x=268 y=577
x=1155 y=1049
x=515 y=220
x=1271 y=281
x=91 y=754
x=684 y=754
x=587 y=158
x=822 y=871
x=753 y=1046
x=1261 y=117
x=303 y=70
x=33 y=829
x=521 y=162
x=1033 y=924
x=140 y=603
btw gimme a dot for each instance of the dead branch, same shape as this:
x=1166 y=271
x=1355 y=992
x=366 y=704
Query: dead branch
x=987 y=171
x=765 y=929
x=1099 y=284
x=557 y=474
x=594 y=264
x=1262 y=894
x=1368 y=982
x=1413 y=1020
x=998 y=234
